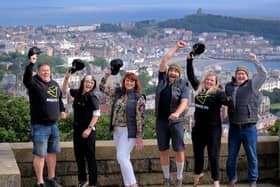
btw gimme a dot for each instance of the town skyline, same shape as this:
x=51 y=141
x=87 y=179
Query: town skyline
x=62 y=12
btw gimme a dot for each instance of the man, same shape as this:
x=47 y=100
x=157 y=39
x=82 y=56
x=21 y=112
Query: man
x=46 y=104
x=171 y=102
x=243 y=116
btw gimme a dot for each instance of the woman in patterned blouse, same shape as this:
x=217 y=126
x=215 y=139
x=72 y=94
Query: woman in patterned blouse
x=127 y=121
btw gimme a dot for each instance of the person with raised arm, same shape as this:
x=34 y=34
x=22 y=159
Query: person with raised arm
x=127 y=120
x=207 y=129
x=170 y=104
x=243 y=116
x=46 y=106
x=86 y=114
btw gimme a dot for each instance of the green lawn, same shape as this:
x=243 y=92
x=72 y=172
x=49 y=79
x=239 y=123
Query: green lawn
x=275 y=106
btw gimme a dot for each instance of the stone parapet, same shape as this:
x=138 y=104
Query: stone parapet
x=145 y=162
x=9 y=171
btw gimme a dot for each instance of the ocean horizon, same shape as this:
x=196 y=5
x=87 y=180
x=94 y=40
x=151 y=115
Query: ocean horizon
x=230 y=65
x=44 y=17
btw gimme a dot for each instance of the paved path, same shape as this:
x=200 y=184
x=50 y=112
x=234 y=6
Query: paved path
x=236 y=185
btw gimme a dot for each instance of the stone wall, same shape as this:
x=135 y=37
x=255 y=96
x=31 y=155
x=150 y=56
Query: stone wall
x=9 y=171
x=146 y=163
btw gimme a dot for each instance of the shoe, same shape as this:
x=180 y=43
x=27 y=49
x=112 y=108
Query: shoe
x=52 y=183
x=253 y=185
x=197 y=179
x=231 y=183
x=179 y=182
x=83 y=184
x=39 y=185
x=167 y=183
x=216 y=184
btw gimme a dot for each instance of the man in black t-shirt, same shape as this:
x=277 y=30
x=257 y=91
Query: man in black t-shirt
x=46 y=105
x=171 y=102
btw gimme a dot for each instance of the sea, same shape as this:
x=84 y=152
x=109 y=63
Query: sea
x=269 y=65
x=232 y=64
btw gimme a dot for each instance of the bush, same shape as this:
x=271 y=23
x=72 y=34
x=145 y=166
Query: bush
x=274 y=130
x=14 y=119
x=102 y=127
x=15 y=122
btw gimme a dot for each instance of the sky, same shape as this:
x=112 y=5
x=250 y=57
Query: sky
x=41 y=12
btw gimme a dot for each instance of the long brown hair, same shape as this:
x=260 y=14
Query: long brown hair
x=133 y=77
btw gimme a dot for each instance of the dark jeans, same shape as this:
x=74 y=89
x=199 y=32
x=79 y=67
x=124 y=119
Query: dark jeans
x=84 y=148
x=248 y=137
x=210 y=137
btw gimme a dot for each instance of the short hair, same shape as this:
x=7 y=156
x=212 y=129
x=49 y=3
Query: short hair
x=42 y=64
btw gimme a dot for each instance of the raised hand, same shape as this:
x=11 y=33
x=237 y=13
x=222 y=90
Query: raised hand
x=253 y=57
x=181 y=44
x=33 y=58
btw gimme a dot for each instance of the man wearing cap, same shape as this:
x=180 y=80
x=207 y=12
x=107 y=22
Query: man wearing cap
x=171 y=101
x=46 y=105
x=243 y=116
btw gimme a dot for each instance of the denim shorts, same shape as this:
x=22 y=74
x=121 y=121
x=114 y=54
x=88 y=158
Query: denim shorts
x=167 y=131
x=45 y=139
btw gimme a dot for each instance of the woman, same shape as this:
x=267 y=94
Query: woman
x=207 y=130
x=127 y=121
x=86 y=113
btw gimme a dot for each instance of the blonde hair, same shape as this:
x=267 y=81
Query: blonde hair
x=201 y=87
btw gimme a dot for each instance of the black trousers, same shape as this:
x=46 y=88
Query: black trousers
x=84 y=149
x=210 y=137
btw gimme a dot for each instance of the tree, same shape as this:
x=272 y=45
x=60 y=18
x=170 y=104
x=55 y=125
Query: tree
x=15 y=122
x=274 y=130
x=150 y=124
x=144 y=77
x=14 y=119
x=101 y=62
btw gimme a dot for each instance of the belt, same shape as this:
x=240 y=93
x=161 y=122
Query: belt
x=242 y=126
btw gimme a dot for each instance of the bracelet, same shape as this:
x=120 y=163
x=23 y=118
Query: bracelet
x=91 y=127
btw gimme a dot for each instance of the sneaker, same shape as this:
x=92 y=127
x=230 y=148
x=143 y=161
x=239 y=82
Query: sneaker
x=179 y=182
x=167 y=183
x=197 y=178
x=52 y=183
x=39 y=185
x=83 y=184
x=231 y=183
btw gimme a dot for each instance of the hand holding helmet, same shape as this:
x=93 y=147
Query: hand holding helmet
x=33 y=52
x=197 y=49
x=116 y=64
x=77 y=65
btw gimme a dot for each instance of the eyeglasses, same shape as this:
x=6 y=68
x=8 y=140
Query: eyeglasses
x=89 y=82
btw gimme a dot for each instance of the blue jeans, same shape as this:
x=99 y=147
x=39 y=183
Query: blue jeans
x=249 y=138
x=45 y=139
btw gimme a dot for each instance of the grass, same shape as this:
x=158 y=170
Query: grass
x=275 y=106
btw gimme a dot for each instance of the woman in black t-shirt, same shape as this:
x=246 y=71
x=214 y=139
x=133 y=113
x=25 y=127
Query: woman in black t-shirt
x=86 y=113
x=207 y=130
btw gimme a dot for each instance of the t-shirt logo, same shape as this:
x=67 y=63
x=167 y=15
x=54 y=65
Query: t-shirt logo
x=202 y=98
x=52 y=91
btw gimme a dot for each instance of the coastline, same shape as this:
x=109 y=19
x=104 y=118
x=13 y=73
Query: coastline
x=216 y=61
x=202 y=63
